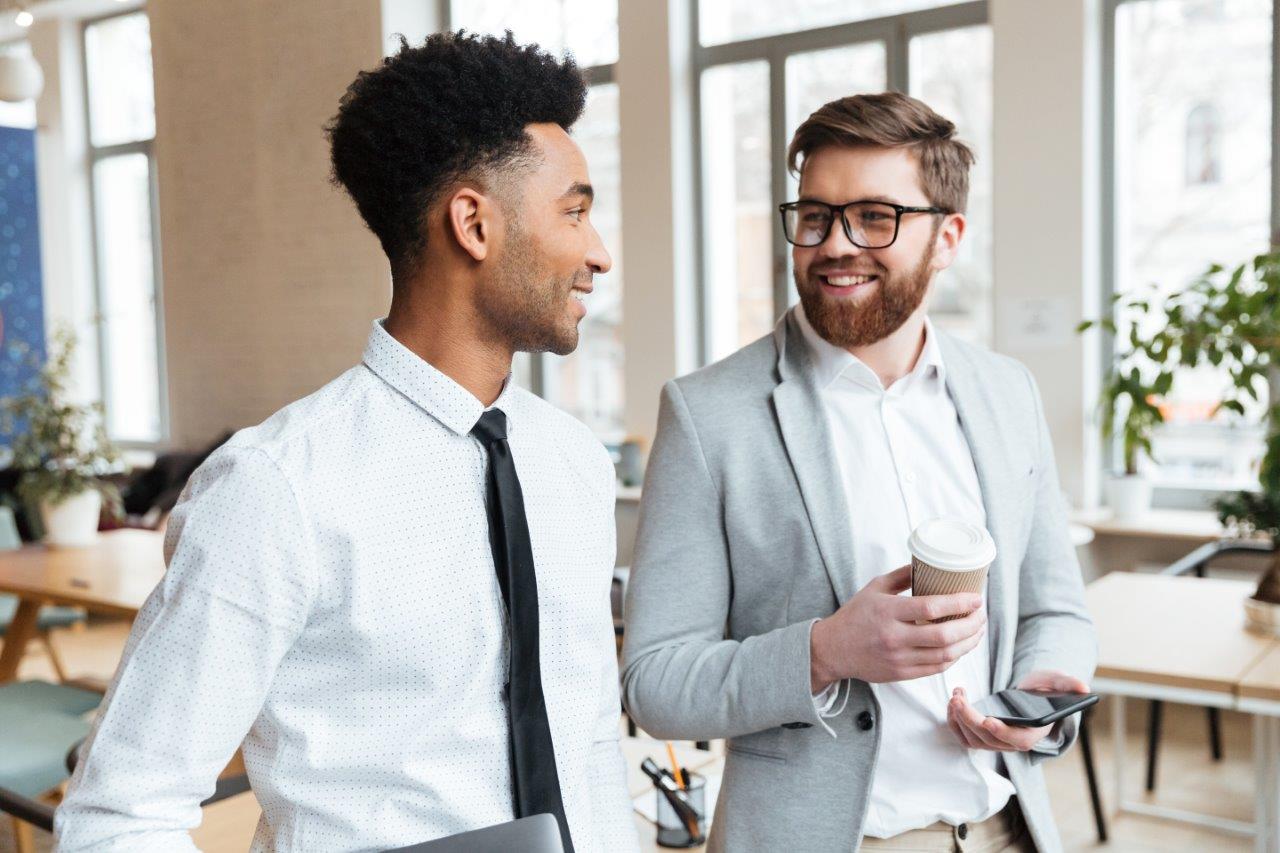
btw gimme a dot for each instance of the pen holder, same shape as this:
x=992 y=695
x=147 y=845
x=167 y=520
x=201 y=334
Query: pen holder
x=672 y=831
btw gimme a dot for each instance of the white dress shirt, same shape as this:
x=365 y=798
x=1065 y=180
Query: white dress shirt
x=331 y=601
x=904 y=459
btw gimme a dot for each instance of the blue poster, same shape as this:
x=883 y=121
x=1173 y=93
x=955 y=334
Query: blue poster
x=21 y=304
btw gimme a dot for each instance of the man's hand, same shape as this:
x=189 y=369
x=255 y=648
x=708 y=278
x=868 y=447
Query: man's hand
x=874 y=636
x=976 y=731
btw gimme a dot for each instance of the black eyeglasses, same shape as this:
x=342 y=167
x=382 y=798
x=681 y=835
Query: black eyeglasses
x=867 y=224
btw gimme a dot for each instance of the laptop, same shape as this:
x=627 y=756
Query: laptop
x=537 y=834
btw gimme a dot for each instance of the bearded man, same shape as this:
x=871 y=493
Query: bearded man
x=784 y=483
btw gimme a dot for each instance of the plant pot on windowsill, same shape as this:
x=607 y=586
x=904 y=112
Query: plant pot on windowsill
x=1129 y=495
x=71 y=522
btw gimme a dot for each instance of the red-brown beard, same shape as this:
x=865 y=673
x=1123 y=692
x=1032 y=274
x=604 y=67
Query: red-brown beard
x=846 y=323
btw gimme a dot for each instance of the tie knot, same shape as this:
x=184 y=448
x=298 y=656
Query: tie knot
x=491 y=427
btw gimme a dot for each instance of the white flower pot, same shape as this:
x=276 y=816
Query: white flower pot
x=1129 y=496
x=73 y=522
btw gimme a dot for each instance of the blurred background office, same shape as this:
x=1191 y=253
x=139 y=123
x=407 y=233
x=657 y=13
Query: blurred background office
x=164 y=196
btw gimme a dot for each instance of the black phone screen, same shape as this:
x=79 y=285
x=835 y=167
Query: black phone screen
x=1033 y=707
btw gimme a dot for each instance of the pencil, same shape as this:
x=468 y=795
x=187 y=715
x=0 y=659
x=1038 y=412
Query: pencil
x=675 y=766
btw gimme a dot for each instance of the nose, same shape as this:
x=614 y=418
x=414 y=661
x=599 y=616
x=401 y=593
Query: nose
x=838 y=244
x=598 y=260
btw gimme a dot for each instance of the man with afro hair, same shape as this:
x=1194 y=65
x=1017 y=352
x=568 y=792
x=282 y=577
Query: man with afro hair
x=394 y=593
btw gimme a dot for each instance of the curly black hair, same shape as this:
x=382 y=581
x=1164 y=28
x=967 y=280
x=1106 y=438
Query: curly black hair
x=454 y=107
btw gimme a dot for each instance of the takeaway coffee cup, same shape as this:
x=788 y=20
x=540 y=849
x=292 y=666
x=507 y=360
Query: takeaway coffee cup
x=949 y=556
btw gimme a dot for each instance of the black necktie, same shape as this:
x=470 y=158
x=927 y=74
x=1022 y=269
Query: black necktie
x=533 y=757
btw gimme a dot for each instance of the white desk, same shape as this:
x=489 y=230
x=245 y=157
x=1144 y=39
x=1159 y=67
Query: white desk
x=1182 y=639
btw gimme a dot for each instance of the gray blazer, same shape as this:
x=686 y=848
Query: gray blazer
x=745 y=540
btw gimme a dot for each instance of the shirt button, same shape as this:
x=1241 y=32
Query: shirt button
x=909 y=477
x=865 y=721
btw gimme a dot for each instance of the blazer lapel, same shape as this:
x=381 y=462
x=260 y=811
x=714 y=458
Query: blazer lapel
x=1001 y=492
x=803 y=424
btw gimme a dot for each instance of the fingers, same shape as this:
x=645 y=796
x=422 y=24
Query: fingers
x=946 y=633
x=971 y=721
x=1058 y=682
x=893 y=582
x=1019 y=738
x=926 y=608
x=982 y=732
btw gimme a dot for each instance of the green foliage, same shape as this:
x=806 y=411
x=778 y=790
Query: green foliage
x=61 y=447
x=1227 y=318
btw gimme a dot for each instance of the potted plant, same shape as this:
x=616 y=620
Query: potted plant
x=1230 y=319
x=1128 y=408
x=61 y=449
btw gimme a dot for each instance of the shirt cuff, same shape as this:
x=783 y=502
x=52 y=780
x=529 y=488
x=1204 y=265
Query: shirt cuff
x=822 y=702
x=1051 y=744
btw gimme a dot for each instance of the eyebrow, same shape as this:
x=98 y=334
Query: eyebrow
x=880 y=198
x=580 y=189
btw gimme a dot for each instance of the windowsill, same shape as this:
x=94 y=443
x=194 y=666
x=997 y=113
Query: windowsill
x=1186 y=524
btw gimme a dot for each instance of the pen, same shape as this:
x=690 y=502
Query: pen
x=675 y=766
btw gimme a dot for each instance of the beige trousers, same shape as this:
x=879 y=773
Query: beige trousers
x=1003 y=832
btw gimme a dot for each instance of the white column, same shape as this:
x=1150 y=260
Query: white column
x=658 y=303
x=62 y=177
x=1046 y=147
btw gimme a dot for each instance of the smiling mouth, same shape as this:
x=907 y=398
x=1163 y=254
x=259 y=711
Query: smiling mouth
x=847 y=280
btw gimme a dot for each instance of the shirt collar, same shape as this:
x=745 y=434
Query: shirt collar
x=831 y=362
x=425 y=386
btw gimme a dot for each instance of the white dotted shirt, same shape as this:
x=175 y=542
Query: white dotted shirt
x=331 y=602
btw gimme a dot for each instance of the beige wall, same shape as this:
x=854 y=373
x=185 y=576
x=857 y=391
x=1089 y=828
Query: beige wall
x=270 y=279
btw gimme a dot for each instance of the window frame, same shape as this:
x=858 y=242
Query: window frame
x=595 y=75
x=895 y=32
x=96 y=154
x=1163 y=497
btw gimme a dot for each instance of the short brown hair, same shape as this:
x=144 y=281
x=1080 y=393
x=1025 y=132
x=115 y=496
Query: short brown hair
x=892 y=120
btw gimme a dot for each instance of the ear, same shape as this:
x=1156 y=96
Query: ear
x=471 y=219
x=946 y=244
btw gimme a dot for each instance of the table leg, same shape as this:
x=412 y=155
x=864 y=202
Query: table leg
x=1118 y=745
x=1263 y=767
x=1272 y=785
x=20 y=632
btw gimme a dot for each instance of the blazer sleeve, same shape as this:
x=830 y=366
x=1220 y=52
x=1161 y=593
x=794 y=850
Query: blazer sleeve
x=1055 y=630
x=681 y=677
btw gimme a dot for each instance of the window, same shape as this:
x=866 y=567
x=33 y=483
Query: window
x=721 y=21
x=1190 y=136
x=1202 y=145
x=587 y=383
x=121 y=125
x=752 y=95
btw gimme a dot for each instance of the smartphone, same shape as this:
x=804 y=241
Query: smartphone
x=1033 y=708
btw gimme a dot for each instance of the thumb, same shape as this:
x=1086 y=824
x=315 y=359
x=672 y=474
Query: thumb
x=1052 y=680
x=892 y=583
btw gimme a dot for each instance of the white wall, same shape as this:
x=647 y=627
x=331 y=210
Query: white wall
x=658 y=308
x=1046 y=144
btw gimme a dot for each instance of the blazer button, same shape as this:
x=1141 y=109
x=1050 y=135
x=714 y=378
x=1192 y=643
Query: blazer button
x=865 y=721
x=797 y=725
x=962 y=831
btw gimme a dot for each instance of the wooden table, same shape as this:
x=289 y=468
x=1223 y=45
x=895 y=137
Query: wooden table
x=113 y=576
x=1183 y=639
x=230 y=824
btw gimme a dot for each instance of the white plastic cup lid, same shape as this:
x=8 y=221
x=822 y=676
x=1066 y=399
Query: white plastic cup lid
x=952 y=545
